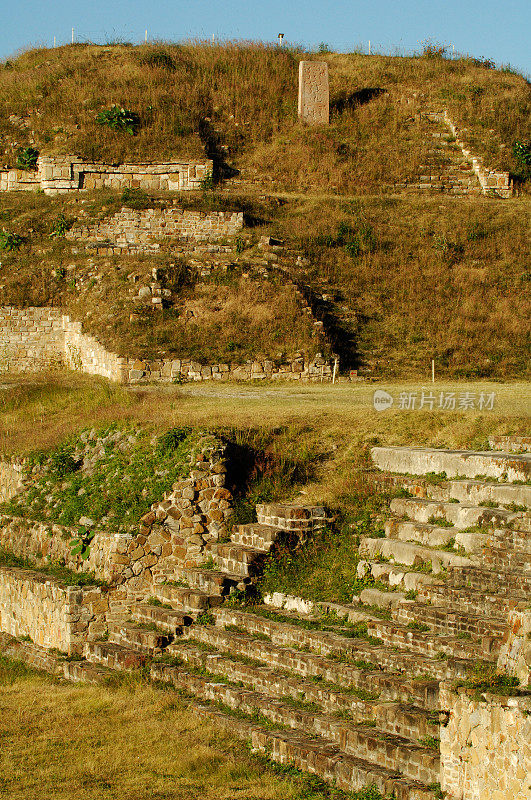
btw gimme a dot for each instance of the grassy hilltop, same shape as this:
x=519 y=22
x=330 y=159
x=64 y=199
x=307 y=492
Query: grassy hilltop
x=406 y=277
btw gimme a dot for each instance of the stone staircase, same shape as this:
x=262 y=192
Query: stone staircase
x=353 y=694
x=445 y=168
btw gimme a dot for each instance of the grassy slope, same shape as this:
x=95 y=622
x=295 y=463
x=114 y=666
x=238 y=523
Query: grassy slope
x=443 y=278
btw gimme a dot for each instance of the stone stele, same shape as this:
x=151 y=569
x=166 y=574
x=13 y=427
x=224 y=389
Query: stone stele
x=314 y=101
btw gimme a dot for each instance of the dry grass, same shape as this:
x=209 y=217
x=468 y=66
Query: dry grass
x=62 y=741
x=445 y=279
x=239 y=100
x=441 y=279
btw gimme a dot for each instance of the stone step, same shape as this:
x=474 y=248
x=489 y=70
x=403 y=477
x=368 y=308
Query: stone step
x=291 y=517
x=472 y=492
x=421 y=532
x=393 y=717
x=377 y=597
x=393 y=752
x=146 y=640
x=451 y=622
x=505 y=467
x=247 y=562
x=411 y=688
x=511 y=444
x=514 y=544
x=320 y=757
x=477 y=492
x=85 y=672
x=260 y=537
x=458 y=515
x=211 y=581
x=398 y=577
x=167 y=620
x=427 y=643
x=114 y=656
x=482 y=578
x=410 y=554
x=340 y=645
x=182 y=598
x=469 y=600
x=495 y=558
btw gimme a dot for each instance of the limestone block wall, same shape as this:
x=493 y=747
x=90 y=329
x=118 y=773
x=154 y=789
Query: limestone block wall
x=30 y=338
x=63 y=174
x=50 y=613
x=485 y=747
x=48 y=543
x=515 y=652
x=11 y=479
x=155 y=225
x=33 y=339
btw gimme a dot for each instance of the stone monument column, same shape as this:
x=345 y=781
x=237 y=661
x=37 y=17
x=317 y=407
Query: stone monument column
x=314 y=100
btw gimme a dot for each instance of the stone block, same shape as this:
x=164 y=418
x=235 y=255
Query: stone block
x=314 y=99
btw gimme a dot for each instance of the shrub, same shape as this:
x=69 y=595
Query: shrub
x=119 y=119
x=27 y=158
x=10 y=241
x=60 y=227
x=522 y=152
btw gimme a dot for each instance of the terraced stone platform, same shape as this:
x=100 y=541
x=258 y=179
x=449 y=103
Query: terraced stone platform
x=349 y=692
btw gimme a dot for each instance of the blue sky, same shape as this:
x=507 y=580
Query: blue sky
x=494 y=29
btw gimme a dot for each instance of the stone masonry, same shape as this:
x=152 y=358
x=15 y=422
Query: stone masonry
x=50 y=613
x=130 y=229
x=314 y=99
x=486 y=746
x=33 y=339
x=63 y=174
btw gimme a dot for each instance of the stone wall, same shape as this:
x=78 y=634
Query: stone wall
x=172 y=534
x=11 y=479
x=30 y=338
x=33 y=339
x=134 y=229
x=48 y=543
x=50 y=613
x=485 y=747
x=515 y=652
x=63 y=174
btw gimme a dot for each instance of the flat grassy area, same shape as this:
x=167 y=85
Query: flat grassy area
x=60 y=741
x=38 y=410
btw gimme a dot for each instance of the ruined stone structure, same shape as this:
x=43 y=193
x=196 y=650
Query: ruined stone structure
x=384 y=697
x=63 y=174
x=314 y=97
x=131 y=231
x=33 y=339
